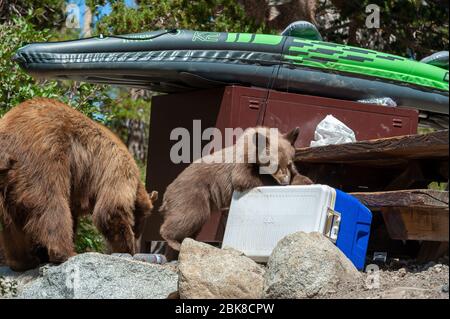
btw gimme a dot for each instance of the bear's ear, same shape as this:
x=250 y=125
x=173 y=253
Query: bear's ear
x=153 y=196
x=292 y=135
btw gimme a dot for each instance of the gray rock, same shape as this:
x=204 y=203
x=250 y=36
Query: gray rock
x=8 y=287
x=209 y=272
x=306 y=265
x=408 y=293
x=402 y=272
x=11 y=282
x=97 y=276
x=428 y=265
x=444 y=288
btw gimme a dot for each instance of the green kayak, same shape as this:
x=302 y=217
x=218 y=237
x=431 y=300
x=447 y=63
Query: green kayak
x=181 y=60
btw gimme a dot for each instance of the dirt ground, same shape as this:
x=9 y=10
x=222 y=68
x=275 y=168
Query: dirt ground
x=403 y=279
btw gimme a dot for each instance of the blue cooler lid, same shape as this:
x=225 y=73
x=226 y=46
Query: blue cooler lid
x=354 y=230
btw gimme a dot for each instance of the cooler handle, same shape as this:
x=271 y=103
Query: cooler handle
x=332 y=225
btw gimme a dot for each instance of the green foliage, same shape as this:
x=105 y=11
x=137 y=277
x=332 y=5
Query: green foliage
x=87 y=98
x=418 y=25
x=45 y=13
x=17 y=86
x=88 y=239
x=212 y=15
x=142 y=170
x=127 y=105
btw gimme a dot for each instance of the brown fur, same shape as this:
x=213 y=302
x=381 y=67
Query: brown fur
x=204 y=187
x=5 y=166
x=56 y=165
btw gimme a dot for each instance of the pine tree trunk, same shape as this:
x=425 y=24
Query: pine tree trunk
x=136 y=132
x=136 y=139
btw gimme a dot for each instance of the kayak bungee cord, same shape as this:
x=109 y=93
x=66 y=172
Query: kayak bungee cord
x=269 y=88
x=124 y=37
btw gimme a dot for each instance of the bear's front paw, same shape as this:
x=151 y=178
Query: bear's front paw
x=20 y=266
x=301 y=180
x=56 y=257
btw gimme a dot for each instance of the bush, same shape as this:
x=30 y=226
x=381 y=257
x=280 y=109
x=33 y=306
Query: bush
x=88 y=239
x=18 y=86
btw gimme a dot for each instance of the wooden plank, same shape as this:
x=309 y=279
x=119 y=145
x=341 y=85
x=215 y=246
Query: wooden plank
x=417 y=223
x=393 y=149
x=432 y=251
x=420 y=214
x=424 y=198
x=364 y=177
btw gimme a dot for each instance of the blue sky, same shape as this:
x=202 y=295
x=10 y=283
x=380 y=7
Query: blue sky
x=100 y=11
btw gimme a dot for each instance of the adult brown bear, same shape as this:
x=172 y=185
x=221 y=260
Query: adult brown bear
x=56 y=165
x=208 y=183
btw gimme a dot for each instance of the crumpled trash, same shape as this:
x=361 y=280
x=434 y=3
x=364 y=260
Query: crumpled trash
x=384 y=101
x=332 y=131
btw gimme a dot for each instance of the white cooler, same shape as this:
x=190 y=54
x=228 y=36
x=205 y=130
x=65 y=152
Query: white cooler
x=259 y=218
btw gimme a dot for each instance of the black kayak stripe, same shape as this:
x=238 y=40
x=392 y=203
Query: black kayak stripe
x=325 y=51
x=328 y=44
x=302 y=44
x=297 y=53
x=356 y=58
x=319 y=59
x=390 y=58
x=359 y=50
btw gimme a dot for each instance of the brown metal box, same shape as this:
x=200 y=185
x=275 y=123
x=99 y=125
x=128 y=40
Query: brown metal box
x=235 y=106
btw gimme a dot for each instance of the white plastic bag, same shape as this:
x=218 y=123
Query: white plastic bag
x=332 y=131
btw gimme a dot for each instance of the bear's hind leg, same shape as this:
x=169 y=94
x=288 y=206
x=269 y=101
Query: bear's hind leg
x=46 y=200
x=52 y=227
x=179 y=225
x=17 y=249
x=16 y=246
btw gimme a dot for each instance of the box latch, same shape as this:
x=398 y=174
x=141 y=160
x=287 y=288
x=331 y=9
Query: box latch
x=332 y=225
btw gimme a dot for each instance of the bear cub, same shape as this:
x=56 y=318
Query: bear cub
x=207 y=185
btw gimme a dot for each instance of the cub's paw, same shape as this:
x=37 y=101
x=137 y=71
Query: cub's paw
x=301 y=180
